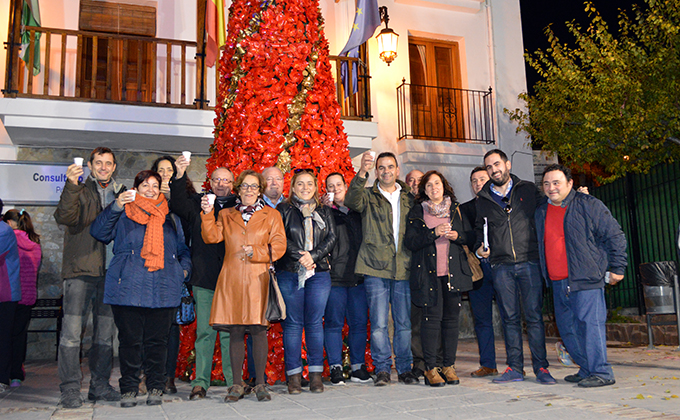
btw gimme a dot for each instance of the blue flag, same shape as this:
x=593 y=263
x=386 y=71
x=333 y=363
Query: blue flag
x=366 y=20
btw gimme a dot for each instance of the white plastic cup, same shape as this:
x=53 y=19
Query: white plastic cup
x=187 y=155
x=372 y=153
x=78 y=161
x=134 y=194
x=211 y=199
x=331 y=196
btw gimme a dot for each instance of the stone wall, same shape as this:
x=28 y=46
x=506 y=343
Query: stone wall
x=42 y=345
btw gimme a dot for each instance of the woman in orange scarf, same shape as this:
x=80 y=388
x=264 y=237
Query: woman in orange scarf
x=143 y=281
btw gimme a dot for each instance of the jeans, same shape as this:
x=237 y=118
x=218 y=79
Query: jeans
x=22 y=317
x=581 y=318
x=440 y=326
x=143 y=335
x=382 y=293
x=481 y=303
x=520 y=285
x=205 y=341
x=350 y=303
x=304 y=310
x=79 y=293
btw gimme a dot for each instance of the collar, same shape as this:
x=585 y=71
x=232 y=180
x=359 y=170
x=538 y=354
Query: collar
x=507 y=191
x=566 y=200
x=270 y=203
x=396 y=191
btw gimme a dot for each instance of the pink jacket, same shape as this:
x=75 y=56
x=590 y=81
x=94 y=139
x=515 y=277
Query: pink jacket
x=29 y=261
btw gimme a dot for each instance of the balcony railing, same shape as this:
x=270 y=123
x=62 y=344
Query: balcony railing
x=112 y=68
x=448 y=114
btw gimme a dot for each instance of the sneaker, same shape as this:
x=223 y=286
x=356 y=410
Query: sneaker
x=574 y=379
x=544 y=377
x=361 y=375
x=129 y=399
x=15 y=383
x=103 y=393
x=154 y=397
x=508 y=376
x=382 y=379
x=3 y=387
x=563 y=355
x=595 y=381
x=71 y=398
x=337 y=377
x=408 y=378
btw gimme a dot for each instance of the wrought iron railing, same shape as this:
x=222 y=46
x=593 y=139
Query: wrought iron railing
x=448 y=114
x=354 y=105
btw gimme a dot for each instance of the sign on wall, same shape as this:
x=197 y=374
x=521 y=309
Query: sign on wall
x=33 y=183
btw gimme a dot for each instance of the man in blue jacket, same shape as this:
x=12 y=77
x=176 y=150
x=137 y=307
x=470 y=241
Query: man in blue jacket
x=581 y=246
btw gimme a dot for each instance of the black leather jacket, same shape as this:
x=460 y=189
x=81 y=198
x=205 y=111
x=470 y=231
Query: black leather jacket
x=324 y=239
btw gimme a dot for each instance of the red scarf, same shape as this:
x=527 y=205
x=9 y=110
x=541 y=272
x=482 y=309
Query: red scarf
x=151 y=213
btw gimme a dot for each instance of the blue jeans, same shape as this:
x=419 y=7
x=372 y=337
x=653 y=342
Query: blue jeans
x=481 y=303
x=382 y=293
x=79 y=294
x=581 y=318
x=304 y=310
x=350 y=303
x=520 y=285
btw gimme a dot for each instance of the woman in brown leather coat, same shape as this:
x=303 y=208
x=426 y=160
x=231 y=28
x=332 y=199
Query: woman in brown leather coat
x=240 y=301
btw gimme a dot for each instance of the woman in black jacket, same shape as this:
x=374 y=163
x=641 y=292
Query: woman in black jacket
x=435 y=233
x=304 y=279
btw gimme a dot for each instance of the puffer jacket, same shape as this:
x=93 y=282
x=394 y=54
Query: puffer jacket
x=421 y=241
x=346 y=249
x=378 y=254
x=512 y=236
x=10 y=279
x=78 y=206
x=29 y=260
x=324 y=239
x=594 y=241
x=128 y=282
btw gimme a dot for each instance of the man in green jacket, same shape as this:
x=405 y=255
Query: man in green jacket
x=385 y=262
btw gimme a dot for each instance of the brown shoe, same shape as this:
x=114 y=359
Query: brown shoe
x=484 y=371
x=294 y=386
x=315 y=382
x=261 y=393
x=450 y=375
x=236 y=392
x=433 y=378
x=197 y=393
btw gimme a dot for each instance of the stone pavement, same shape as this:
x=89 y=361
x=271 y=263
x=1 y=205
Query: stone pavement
x=647 y=386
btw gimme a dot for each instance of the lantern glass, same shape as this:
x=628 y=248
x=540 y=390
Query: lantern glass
x=387 y=45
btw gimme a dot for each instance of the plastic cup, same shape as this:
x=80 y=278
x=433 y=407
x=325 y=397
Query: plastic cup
x=211 y=199
x=134 y=194
x=78 y=161
x=187 y=155
x=331 y=196
x=372 y=153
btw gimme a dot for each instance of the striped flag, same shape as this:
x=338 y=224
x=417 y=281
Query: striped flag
x=214 y=25
x=30 y=16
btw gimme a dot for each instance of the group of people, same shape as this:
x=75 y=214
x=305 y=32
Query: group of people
x=355 y=252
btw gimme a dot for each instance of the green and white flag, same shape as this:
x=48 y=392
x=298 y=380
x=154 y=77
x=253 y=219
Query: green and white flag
x=30 y=16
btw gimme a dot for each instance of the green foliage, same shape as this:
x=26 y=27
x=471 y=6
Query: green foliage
x=615 y=317
x=610 y=100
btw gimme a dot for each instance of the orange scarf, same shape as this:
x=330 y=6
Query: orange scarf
x=151 y=213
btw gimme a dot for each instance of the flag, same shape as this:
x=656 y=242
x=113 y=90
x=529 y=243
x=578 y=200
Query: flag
x=366 y=20
x=214 y=25
x=30 y=16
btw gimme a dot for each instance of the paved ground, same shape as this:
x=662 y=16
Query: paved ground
x=648 y=386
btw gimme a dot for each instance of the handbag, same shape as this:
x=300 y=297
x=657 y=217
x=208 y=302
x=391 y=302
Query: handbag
x=276 y=307
x=473 y=261
x=186 y=313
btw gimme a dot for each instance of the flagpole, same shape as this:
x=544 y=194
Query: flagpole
x=11 y=45
x=201 y=6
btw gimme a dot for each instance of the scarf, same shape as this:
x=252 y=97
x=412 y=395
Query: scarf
x=441 y=210
x=248 y=211
x=310 y=215
x=151 y=213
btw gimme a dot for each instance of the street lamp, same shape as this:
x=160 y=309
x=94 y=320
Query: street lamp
x=387 y=39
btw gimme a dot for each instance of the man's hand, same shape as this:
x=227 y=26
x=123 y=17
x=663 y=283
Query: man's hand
x=481 y=253
x=615 y=278
x=583 y=190
x=73 y=172
x=367 y=164
x=182 y=164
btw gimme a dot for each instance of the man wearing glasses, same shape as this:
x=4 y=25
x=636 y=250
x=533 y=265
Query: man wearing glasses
x=507 y=203
x=207 y=262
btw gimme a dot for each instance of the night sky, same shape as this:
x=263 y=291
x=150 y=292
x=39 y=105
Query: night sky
x=537 y=14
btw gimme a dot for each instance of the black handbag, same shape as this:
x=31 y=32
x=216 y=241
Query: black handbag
x=276 y=307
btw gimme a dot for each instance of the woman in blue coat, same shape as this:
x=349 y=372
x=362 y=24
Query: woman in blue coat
x=143 y=281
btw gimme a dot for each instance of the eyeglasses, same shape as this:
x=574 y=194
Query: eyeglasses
x=271 y=179
x=225 y=180
x=508 y=207
x=246 y=187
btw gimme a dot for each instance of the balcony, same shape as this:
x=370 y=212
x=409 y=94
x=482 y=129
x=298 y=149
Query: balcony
x=445 y=114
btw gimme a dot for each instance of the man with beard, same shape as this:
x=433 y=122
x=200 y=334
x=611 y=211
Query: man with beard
x=508 y=205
